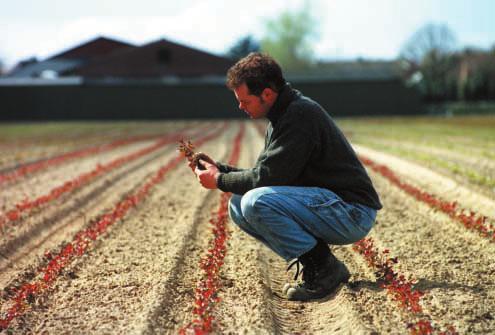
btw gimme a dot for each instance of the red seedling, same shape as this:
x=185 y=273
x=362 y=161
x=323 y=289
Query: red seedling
x=187 y=150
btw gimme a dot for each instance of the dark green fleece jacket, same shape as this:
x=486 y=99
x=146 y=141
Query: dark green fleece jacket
x=303 y=147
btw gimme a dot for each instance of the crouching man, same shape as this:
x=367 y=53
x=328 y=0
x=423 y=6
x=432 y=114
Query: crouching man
x=307 y=189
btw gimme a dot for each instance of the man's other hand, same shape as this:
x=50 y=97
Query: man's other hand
x=208 y=177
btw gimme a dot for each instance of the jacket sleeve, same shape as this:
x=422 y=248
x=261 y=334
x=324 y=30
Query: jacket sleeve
x=225 y=168
x=282 y=161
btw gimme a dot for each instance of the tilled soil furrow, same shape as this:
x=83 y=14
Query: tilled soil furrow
x=34 y=165
x=24 y=245
x=175 y=308
x=22 y=153
x=334 y=314
x=246 y=298
x=428 y=180
x=46 y=180
x=245 y=295
x=476 y=163
x=32 y=188
x=65 y=188
x=61 y=220
x=288 y=316
x=455 y=267
x=121 y=281
x=370 y=303
x=17 y=155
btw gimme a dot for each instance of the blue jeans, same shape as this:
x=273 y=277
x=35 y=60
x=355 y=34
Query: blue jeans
x=288 y=219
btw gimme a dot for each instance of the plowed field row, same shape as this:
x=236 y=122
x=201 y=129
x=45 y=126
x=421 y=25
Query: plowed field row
x=82 y=178
x=477 y=174
x=36 y=149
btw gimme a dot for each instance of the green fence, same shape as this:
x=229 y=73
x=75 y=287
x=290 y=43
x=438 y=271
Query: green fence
x=133 y=100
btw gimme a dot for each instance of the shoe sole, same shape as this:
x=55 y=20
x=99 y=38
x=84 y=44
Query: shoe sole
x=286 y=288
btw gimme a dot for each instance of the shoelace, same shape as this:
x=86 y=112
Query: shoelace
x=297 y=262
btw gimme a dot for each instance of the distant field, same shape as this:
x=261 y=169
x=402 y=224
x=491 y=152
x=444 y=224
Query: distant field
x=460 y=147
x=48 y=130
x=105 y=230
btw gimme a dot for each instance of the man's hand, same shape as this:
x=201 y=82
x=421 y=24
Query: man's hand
x=208 y=178
x=200 y=156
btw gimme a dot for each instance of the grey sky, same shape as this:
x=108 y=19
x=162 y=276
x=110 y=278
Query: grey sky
x=348 y=28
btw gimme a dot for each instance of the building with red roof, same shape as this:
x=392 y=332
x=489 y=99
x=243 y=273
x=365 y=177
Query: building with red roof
x=103 y=57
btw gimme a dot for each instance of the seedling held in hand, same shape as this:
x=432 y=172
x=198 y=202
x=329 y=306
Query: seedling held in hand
x=187 y=149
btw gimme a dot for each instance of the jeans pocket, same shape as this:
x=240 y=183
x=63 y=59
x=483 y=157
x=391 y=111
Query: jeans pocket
x=352 y=215
x=319 y=197
x=315 y=203
x=335 y=208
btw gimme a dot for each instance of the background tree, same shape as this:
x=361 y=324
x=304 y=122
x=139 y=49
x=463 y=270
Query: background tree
x=440 y=75
x=289 y=38
x=431 y=38
x=431 y=49
x=243 y=47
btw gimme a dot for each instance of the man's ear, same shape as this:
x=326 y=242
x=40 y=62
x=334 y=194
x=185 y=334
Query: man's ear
x=269 y=95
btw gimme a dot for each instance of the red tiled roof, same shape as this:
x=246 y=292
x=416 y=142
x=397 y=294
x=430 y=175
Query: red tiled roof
x=95 y=48
x=156 y=59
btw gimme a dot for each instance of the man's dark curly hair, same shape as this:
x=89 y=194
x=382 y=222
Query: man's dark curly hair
x=258 y=71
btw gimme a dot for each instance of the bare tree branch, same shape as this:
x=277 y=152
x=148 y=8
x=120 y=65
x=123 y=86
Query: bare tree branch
x=431 y=38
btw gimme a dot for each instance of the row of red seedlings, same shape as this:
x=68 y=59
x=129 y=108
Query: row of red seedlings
x=46 y=276
x=206 y=294
x=33 y=167
x=399 y=287
x=469 y=219
x=28 y=205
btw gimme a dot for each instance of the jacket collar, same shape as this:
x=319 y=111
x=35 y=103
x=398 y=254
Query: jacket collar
x=286 y=95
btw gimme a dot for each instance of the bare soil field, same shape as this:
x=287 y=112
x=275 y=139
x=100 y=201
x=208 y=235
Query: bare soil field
x=125 y=241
